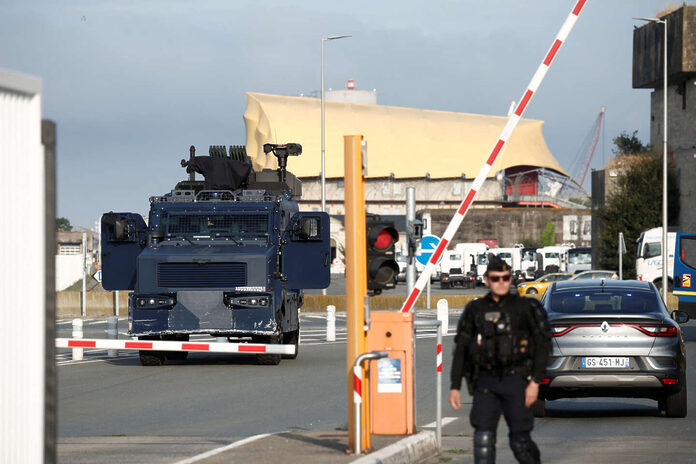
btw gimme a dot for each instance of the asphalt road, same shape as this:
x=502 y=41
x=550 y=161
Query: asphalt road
x=113 y=410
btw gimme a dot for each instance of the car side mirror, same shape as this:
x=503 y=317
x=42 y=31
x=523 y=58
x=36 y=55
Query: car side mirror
x=680 y=317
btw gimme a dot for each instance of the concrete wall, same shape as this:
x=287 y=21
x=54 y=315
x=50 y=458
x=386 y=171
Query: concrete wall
x=68 y=270
x=681 y=142
x=511 y=225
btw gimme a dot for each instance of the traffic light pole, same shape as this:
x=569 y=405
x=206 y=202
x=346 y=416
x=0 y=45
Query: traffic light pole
x=410 y=217
x=356 y=279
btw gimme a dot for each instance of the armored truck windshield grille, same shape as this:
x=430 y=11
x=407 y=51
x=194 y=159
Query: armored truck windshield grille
x=217 y=224
x=201 y=275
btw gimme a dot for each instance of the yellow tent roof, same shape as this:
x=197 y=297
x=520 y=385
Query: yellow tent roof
x=407 y=142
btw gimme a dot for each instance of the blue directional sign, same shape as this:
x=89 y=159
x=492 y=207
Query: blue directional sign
x=428 y=245
x=97 y=276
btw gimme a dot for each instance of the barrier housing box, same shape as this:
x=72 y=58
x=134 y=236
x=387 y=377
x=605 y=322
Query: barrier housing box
x=392 y=409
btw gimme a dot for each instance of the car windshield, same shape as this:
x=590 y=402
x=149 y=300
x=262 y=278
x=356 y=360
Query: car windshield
x=596 y=300
x=213 y=225
x=529 y=256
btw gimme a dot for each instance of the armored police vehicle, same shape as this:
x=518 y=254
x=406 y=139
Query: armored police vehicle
x=227 y=257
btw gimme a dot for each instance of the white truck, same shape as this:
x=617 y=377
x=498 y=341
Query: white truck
x=554 y=258
x=529 y=263
x=579 y=259
x=649 y=256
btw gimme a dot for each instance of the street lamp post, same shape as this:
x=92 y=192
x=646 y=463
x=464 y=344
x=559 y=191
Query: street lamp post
x=665 y=252
x=323 y=156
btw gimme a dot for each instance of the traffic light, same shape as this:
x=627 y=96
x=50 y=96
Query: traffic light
x=382 y=268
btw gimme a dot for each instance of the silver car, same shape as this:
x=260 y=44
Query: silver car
x=614 y=338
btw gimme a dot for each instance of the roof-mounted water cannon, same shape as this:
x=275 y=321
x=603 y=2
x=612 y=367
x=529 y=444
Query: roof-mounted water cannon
x=282 y=152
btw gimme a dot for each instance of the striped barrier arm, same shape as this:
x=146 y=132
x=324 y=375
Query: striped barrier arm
x=513 y=119
x=159 y=345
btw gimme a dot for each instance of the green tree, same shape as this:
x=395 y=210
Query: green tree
x=63 y=224
x=530 y=242
x=548 y=236
x=636 y=205
x=628 y=144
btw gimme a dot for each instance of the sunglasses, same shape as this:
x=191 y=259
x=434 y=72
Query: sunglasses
x=504 y=278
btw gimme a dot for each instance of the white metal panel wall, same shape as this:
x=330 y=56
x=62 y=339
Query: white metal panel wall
x=22 y=271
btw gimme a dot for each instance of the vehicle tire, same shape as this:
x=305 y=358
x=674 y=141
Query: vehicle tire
x=539 y=408
x=675 y=404
x=152 y=358
x=292 y=338
x=532 y=291
x=269 y=359
x=177 y=355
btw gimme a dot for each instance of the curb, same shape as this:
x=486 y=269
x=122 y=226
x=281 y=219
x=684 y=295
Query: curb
x=407 y=450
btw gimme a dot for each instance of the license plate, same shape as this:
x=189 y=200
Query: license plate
x=611 y=363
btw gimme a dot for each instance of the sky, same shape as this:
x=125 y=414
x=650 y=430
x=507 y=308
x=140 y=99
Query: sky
x=132 y=84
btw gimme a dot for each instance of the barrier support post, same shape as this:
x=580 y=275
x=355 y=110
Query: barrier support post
x=112 y=333
x=356 y=280
x=77 y=353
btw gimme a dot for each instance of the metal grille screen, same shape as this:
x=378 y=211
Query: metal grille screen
x=212 y=224
x=205 y=275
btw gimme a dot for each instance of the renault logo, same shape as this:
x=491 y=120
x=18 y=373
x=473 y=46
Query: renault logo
x=604 y=326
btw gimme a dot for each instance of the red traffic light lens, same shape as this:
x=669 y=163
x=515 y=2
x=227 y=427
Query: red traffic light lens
x=384 y=240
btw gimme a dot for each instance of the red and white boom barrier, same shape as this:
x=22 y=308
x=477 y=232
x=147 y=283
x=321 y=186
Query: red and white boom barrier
x=514 y=118
x=158 y=345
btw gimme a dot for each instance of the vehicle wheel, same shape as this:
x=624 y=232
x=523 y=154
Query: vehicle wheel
x=152 y=358
x=269 y=359
x=292 y=338
x=532 y=291
x=177 y=355
x=675 y=405
x=539 y=408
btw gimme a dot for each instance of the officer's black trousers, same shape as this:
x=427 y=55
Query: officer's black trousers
x=496 y=395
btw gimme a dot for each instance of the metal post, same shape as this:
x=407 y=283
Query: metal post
x=443 y=315
x=330 y=323
x=665 y=252
x=410 y=217
x=620 y=259
x=77 y=353
x=438 y=387
x=358 y=394
x=323 y=155
x=84 y=274
x=112 y=333
x=438 y=375
x=116 y=303
x=427 y=293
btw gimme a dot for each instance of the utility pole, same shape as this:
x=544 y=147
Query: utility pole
x=355 y=163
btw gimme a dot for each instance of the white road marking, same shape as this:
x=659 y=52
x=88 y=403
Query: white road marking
x=222 y=449
x=445 y=421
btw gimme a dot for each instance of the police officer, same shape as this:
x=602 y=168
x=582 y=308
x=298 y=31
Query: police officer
x=502 y=348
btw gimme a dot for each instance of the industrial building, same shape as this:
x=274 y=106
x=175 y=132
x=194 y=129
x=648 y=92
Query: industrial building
x=438 y=153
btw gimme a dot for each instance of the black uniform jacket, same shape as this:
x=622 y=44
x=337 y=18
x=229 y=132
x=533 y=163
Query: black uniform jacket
x=533 y=321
